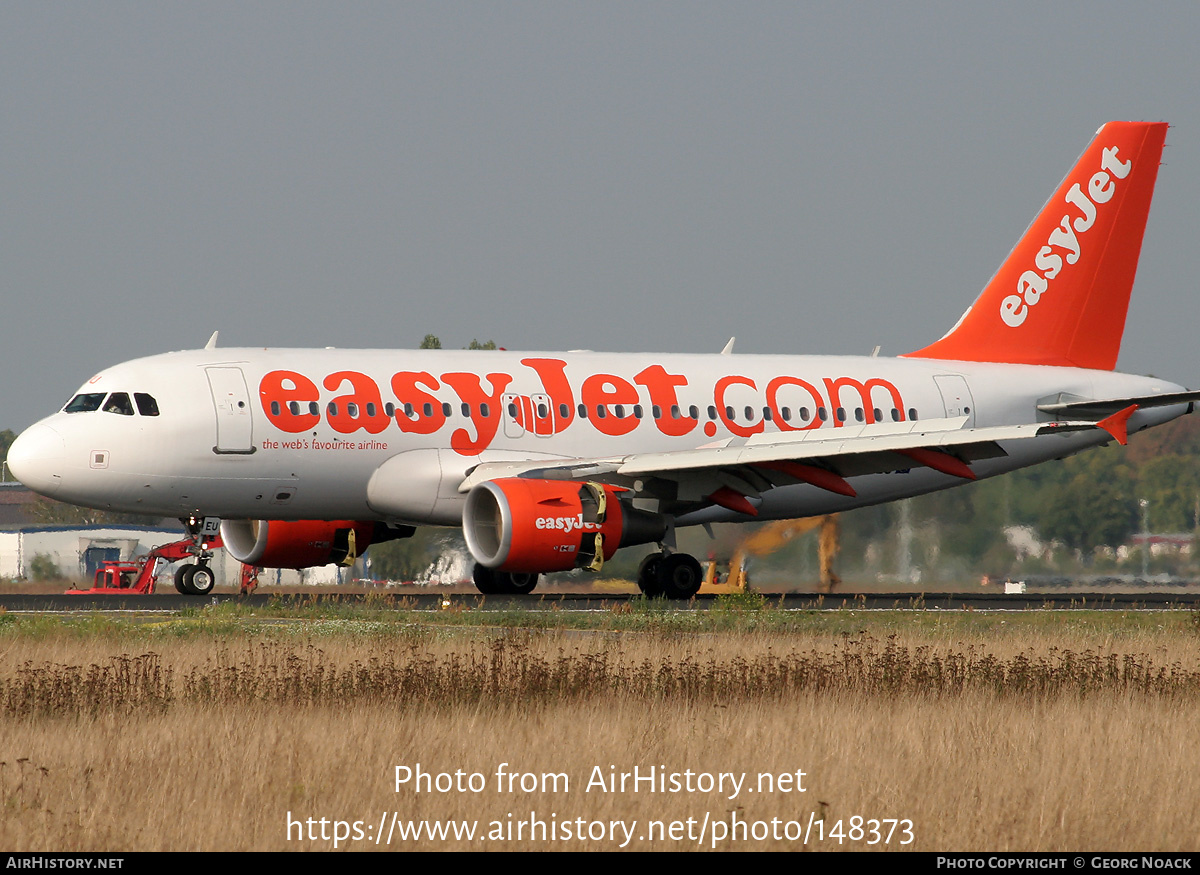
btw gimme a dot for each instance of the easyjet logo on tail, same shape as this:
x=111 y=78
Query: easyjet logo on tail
x=1064 y=240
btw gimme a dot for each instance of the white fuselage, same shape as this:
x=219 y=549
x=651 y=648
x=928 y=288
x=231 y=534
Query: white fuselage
x=305 y=434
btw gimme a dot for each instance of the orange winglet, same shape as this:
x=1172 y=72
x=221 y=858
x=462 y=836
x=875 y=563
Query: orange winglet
x=810 y=474
x=939 y=461
x=1117 y=424
x=731 y=499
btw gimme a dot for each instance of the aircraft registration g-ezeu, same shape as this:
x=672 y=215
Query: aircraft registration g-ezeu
x=552 y=461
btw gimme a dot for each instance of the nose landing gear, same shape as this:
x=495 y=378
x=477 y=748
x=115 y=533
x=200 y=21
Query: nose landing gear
x=198 y=578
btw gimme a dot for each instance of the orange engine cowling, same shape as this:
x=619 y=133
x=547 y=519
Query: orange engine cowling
x=296 y=544
x=515 y=524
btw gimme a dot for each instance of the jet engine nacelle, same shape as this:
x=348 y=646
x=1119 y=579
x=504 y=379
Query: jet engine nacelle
x=296 y=544
x=514 y=524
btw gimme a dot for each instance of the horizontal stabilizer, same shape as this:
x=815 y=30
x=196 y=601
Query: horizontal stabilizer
x=1109 y=406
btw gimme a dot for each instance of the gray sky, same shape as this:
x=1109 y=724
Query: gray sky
x=814 y=178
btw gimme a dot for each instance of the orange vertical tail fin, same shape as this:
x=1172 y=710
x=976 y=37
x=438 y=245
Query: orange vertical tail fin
x=1061 y=296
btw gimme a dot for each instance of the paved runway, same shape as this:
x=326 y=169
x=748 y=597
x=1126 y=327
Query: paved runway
x=433 y=601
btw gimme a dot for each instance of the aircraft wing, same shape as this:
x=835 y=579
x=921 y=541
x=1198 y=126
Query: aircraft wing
x=732 y=472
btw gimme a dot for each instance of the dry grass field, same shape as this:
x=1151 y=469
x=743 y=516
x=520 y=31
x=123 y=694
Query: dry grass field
x=1028 y=738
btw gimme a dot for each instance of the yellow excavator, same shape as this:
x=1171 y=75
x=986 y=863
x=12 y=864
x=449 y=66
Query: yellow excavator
x=772 y=537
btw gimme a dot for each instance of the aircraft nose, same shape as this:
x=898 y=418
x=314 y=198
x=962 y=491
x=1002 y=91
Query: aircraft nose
x=36 y=458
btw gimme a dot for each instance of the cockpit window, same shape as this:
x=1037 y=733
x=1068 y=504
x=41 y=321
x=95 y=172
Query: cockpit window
x=84 y=403
x=146 y=404
x=118 y=402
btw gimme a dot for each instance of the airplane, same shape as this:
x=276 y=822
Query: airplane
x=552 y=461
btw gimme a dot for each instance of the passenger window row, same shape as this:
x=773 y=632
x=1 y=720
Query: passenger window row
x=731 y=413
x=620 y=411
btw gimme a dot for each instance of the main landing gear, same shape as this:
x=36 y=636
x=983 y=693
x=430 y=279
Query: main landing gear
x=670 y=575
x=491 y=582
x=674 y=575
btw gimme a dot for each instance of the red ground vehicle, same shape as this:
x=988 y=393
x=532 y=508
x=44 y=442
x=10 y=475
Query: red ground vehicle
x=120 y=577
x=138 y=574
